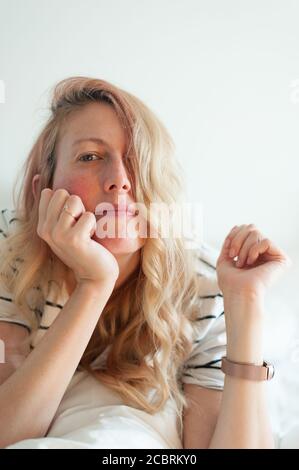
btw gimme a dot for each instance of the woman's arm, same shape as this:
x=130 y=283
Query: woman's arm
x=236 y=417
x=243 y=420
x=200 y=417
x=29 y=398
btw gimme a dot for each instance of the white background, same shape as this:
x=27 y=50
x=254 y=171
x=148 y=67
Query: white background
x=223 y=75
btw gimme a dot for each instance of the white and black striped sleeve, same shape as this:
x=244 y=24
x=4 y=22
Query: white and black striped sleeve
x=8 y=310
x=203 y=366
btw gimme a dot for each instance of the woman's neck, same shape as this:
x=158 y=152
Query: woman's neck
x=127 y=265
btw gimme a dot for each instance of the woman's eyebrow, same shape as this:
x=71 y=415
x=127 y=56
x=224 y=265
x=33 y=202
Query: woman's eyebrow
x=96 y=140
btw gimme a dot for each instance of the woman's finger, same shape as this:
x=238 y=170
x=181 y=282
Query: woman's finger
x=258 y=249
x=252 y=238
x=86 y=224
x=239 y=239
x=231 y=235
x=225 y=246
x=55 y=207
x=75 y=207
x=45 y=198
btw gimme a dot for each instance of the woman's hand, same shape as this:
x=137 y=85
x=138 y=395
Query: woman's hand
x=70 y=238
x=259 y=262
x=243 y=284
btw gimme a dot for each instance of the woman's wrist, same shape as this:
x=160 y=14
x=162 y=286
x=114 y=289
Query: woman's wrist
x=95 y=288
x=247 y=349
x=244 y=318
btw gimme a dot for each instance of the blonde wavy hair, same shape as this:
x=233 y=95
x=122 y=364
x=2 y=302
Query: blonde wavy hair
x=147 y=322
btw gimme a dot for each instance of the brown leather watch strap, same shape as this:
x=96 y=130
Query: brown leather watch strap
x=248 y=371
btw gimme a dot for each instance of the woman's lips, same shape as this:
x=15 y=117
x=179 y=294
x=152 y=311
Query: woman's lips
x=116 y=213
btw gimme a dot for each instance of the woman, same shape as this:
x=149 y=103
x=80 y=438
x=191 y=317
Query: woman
x=143 y=305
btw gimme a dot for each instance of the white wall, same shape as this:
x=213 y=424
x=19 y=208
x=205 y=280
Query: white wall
x=220 y=73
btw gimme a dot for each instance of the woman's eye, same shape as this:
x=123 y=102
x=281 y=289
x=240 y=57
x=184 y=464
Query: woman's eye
x=89 y=157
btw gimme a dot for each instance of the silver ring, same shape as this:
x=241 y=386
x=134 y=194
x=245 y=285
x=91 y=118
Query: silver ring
x=65 y=209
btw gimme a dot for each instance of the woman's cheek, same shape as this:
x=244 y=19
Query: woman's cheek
x=80 y=187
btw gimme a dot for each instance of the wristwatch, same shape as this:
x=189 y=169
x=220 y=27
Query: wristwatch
x=247 y=370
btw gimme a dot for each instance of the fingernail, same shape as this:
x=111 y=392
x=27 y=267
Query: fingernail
x=226 y=244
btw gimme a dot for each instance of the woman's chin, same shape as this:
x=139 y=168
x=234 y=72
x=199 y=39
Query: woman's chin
x=120 y=245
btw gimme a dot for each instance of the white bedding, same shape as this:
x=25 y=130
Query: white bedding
x=91 y=416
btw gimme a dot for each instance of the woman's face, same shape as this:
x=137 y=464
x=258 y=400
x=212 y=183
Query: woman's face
x=96 y=171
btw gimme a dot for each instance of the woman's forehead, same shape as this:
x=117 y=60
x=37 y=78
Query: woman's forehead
x=95 y=123
x=96 y=117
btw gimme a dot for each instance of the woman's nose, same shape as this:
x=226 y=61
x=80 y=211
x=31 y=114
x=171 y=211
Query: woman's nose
x=117 y=179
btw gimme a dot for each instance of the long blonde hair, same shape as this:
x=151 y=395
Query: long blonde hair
x=147 y=322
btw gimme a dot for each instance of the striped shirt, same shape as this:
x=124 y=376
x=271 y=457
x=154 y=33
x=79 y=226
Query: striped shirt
x=203 y=366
